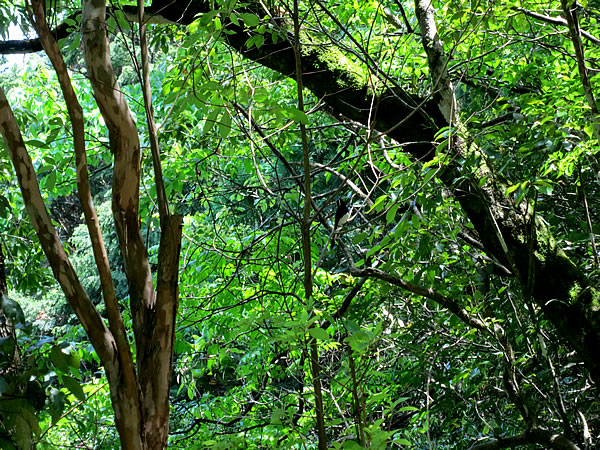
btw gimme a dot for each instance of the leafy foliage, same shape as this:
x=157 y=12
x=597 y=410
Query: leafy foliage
x=399 y=367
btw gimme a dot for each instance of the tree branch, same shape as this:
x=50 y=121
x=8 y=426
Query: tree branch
x=556 y=21
x=62 y=269
x=429 y=293
x=537 y=435
x=75 y=112
x=125 y=146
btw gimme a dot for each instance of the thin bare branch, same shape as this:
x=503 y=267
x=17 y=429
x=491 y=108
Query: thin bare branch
x=555 y=21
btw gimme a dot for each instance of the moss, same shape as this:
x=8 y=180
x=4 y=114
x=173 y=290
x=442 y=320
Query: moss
x=350 y=74
x=337 y=62
x=546 y=241
x=595 y=303
x=574 y=292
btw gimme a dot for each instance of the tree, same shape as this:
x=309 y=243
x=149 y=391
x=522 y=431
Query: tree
x=140 y=401
x=480 y=169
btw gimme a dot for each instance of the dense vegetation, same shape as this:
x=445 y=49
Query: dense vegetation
x=176 y=278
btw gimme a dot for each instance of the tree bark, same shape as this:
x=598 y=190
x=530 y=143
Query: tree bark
x=153 y=313
x=512 y=232
x=140 y=400
x=124 y=388
x=93 y=324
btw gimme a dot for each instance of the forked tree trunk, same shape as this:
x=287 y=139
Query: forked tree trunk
x=139 y=395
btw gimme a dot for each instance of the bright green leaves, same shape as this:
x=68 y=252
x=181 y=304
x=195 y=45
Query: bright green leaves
x=36 y=394
x=291 y=113
x=319 y=333
x=64 y=359
x=390 y=215
x=250 y=20
x=72 y=384
x=218 y=21
x=224 y=125
x=359 y=339
x=256 y=40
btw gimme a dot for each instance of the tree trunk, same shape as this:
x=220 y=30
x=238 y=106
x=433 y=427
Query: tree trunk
x=140 y=398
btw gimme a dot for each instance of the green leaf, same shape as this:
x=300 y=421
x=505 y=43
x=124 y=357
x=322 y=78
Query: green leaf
x=399 y=229
x=207 y=18
x=544 y=188
x=251 y=41
x=351 y=326
x=359 y=340
x=225 y=125
x=276 y=416
x=23 y=433
x=259 y=41
x=59 y=359
x=359 y=238
x=407 y=408
x=234 y=19
x=251 y=20
x=318 y=333
x=57 y=404
x=12 y=310
x=51 y=180
x=378 y=205
x=521 y=195
x=64 y=358
x=391 y=213
x=429 y=175
x=512 y=188
x=294 y=114
x=36 y=143
x=73 y=385
x=416 y=222
x=3 y=385
x=211 y=120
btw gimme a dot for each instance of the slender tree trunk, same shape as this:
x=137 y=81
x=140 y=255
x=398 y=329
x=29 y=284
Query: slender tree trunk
x=306 y=244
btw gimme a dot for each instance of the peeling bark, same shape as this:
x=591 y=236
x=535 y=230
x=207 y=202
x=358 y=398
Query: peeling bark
x=125 y=147
x=40 y=219
x=140 y=400
x=156 y=361
x=122 y=379
x=153 y=313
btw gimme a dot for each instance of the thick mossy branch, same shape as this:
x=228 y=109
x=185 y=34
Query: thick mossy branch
x=330 y=76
